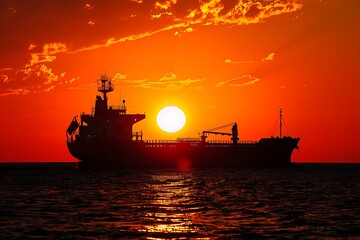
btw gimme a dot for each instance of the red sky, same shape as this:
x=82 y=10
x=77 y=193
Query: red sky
x=220 y=61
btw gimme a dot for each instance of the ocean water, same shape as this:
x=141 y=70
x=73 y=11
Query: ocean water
x=54 y=202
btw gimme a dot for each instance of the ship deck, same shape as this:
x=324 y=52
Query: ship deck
x=211 y=143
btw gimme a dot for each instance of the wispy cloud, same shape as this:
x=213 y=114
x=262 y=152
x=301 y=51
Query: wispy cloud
x=48 y=53
x=39 y=78
x=49 y=75
x=156 y=16
x=186 y=30
x=165 y=4
x=210 y=12
x=6 y=69
x=269 y=57
x=31 y=46
x=137 y=1
x=168 y=77
x=213 y=12
x=178 y=17
x=49 y=88
x=118 y=77
x=236 y=62
x=169 y=81
x=4 y=78
x=18 y=91
x=112 y=41
x=244 y=80
x=88 y=6
x=35 y=76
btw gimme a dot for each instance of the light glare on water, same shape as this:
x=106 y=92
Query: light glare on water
x=196 y=204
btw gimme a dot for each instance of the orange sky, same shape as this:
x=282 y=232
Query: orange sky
x=220 y=61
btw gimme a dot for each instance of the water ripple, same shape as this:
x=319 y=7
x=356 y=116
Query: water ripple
x=171 y=204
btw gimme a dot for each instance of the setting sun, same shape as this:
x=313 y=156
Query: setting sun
x=171 y=119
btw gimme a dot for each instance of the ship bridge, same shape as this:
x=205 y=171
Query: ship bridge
x=111 y=122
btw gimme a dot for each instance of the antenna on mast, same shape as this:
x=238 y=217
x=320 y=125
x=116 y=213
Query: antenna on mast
x=105 y=85
x=280 y=123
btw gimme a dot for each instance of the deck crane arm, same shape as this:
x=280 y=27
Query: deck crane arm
x=234 y=134
x=223 y=126
x=206 y=133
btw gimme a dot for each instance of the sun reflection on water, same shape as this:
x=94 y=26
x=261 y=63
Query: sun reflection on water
x=170 y=211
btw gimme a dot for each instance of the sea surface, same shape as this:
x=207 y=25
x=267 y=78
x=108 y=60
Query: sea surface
x=62 y=202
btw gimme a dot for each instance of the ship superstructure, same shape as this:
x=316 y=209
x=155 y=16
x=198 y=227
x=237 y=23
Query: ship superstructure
x=105 y=139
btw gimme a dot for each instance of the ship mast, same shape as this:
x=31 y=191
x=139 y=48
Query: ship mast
x=105 y=86
x=101 y=104
x=280 y=123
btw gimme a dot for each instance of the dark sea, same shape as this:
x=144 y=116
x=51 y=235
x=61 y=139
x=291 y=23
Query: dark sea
x=56 y=201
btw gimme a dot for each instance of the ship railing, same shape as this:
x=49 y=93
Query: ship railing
x=160 y=141
x=197 y=141
x=169 y=143
x=188 y=139
x=248 y=142
x=219 y=142
x=230 y=142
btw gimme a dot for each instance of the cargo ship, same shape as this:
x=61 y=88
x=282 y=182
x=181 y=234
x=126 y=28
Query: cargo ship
x=104 y=138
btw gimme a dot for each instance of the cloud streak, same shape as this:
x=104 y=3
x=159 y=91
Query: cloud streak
x=165 y=4
x=4 y=78
x=36 y=76
x=177 y=17
x=112 y=41
x=10 y=91
x=269 y=57
x=211 y=12
x=243 y=12
x=169 y=81
x=236 y=62
x=48 y=53
x=245 y=80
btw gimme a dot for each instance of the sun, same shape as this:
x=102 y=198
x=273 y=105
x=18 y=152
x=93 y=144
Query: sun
x=171 y=119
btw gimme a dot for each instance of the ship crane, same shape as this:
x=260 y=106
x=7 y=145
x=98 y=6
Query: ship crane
x=234 y=132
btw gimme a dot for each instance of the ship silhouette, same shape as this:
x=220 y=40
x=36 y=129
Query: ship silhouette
x=105 y=139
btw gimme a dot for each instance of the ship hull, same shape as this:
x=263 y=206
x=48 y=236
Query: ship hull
x=95 y=153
